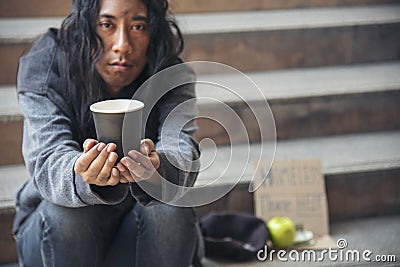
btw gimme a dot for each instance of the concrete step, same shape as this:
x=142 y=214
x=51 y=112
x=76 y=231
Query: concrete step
x=191 y=6
x=361 y=175
x=361 y=171
x=304 y=103
x=34 y=8
x=11 y=127
x=43 y=8
x=7 y=243
x=268 y=40
x=294 y=38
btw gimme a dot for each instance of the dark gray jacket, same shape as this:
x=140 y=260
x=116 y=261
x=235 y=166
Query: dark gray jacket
x=52 y=142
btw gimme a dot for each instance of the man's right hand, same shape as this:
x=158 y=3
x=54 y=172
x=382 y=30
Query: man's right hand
x=96 y=164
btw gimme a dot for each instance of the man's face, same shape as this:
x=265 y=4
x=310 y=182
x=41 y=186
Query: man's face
x=123 y=27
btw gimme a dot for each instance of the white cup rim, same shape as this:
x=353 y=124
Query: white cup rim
x=114 y=106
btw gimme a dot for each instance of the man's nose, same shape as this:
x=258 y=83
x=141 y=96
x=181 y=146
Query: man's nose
x=122 y=42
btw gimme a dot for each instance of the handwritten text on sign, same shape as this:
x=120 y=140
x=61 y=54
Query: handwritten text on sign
x=293 y=188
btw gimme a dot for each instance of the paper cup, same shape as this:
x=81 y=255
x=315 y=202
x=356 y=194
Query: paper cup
x=116 y=118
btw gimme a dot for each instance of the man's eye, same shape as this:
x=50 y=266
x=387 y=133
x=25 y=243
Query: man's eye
x=105 y=25
x=139 y=27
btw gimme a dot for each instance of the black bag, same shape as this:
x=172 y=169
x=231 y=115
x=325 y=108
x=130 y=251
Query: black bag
x=233 y=236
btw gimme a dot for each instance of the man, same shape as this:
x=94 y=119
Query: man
x=81 y=205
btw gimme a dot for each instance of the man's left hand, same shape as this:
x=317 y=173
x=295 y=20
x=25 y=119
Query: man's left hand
x=141 y=165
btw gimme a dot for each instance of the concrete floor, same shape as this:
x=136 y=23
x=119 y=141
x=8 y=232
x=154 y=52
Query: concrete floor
x=379 y=235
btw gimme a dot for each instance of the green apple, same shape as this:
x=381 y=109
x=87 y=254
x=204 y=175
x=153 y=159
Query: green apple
x=282 y=231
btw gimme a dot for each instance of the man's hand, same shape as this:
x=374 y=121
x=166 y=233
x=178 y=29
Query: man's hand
x=96 y=164
x=141 y=166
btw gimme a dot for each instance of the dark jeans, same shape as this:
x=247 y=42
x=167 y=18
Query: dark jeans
x=122 y=235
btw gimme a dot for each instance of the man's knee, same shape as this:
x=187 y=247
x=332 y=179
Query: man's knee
x=172 y=233
x=170 y=216
x=68 y=225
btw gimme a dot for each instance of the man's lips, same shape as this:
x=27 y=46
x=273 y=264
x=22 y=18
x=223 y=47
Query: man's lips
x=122 y=66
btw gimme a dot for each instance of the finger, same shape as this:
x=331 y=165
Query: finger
x=135 y=168
x=115 y=177
x=140 y=158
x=129 y=178
x=123 y=180
x=125 y=174
x=85 y=160
x=155 y=159
x=106 y=171
x=111 y=147
x=88 y=144
x=149 y=147
x=146 y=146
x=99 y=161
x=85 y=143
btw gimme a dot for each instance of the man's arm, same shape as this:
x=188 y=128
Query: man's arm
x=178 y=150
x=50 y=154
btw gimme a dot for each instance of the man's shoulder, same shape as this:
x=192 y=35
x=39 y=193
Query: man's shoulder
x=36 y=66
x=45 y=41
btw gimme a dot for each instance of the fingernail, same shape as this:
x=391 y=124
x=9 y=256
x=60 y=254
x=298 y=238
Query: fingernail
x=112 y=157
x=108 y=148
x=121 y=168
x=114 y=172
x=101 y=147
x=132 y=154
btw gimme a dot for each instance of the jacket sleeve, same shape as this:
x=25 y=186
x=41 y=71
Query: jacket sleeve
x=50 y=154
x=49 y=148
x=177 y=149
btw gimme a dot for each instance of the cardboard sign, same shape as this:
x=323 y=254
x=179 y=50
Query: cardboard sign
x=296 y=189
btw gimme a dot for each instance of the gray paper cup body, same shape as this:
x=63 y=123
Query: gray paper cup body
x=117 y=119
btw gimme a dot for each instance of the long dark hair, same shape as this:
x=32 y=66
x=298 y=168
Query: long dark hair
x=82 y=48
